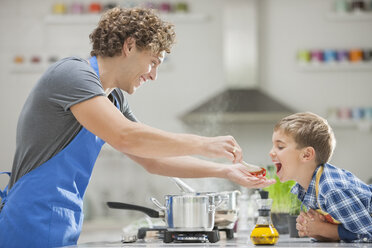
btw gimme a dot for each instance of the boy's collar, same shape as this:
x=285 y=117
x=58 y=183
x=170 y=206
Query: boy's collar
x=308 y=197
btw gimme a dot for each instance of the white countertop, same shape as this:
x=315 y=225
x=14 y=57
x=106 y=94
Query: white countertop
x=112 y=238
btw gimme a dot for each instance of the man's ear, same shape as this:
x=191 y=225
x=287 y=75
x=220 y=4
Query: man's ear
x=128 y=46
x=308 y=153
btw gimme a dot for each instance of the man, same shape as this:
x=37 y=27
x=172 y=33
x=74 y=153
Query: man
x=77 y=106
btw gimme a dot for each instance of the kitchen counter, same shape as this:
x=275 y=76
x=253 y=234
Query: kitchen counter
x=112 y=239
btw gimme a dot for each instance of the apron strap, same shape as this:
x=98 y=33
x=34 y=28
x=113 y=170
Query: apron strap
x=328 y=217
x=94 y=64
x=3 y=193
x=317 y=179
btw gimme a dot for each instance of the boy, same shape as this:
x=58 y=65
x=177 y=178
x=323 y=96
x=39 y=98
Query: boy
x=340 y=204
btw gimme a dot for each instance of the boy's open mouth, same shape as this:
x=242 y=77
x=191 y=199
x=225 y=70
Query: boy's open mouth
x=278 y=167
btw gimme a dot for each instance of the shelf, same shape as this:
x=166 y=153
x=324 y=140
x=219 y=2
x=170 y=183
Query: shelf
x=39 y=68
x=72 y=19
x=353 y=16
x=363 y=125
x=327 y=67
x=184 y=17
x=94 y=18
x=238 y=117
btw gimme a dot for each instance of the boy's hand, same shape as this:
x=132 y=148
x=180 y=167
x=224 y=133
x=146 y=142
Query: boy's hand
x=310 y=223
x=313 y=224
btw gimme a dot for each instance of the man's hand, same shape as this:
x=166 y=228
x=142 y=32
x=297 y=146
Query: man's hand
x=221 y=146
x=239 y=174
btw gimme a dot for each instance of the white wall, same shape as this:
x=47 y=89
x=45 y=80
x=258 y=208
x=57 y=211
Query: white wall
x=21 y=35
x=288 y=25
x=240 y=43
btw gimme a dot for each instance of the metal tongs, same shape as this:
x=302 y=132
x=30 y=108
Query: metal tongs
x=185 y=188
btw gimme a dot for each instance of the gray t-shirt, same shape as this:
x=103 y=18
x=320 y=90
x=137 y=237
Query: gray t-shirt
x=46 y=124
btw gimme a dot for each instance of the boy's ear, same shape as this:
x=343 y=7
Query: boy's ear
x=308 y=153
x=128 y=46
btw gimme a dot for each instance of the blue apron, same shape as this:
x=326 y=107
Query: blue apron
x=44 y=208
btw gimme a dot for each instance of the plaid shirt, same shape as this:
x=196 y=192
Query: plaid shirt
x=346 y=198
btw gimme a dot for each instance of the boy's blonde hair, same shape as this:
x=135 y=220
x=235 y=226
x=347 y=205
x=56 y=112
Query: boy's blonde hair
x=308 y=129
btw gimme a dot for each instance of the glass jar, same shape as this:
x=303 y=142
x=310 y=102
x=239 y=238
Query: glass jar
x=264 y=232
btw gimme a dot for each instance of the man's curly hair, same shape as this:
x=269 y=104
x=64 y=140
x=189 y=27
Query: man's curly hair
x=118 y=24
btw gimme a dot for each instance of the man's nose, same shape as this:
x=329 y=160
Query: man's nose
x=153 y=74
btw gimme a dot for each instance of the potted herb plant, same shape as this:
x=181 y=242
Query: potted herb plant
x=294 y=211
x=282 y=200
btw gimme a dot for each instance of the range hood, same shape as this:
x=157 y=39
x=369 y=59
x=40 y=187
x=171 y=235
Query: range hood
x=243 y=100
x=238 y=105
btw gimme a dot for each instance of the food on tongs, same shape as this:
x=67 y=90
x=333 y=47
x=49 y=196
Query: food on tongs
x=254 y=169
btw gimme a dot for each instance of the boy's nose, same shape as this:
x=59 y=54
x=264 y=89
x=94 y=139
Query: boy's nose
x=272 y=153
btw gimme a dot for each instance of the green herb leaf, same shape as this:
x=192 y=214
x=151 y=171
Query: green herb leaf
x=283 y=200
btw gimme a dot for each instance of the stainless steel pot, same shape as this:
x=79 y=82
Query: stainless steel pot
x=226 y=213
x=186 y=212
x=189 y=212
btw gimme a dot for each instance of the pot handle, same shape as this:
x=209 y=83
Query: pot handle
x=222 y=200
x=157 y=203
x=119 y=205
